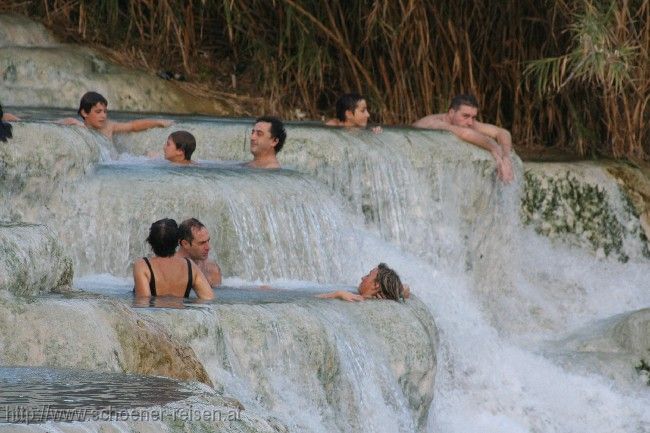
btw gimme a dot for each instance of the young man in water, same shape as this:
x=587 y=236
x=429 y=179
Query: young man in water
x=267 y=138
x=352 y=112
x=461 y=121
x=380 y=283
x=194 y=242
x=93 y=109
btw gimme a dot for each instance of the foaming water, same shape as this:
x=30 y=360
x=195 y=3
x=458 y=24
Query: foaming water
x=488 y=382
x=422 y=202
x=263 y=224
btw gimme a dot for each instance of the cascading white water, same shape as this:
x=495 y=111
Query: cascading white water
x=500 y=293
x=504 y=298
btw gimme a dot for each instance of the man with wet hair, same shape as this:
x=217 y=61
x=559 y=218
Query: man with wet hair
x=93 y=109
x=461 y=121
x=194 y=242
x=380 y=283
x=267 y=139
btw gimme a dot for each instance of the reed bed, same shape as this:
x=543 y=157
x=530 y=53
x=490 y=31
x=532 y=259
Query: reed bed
x=568 y=74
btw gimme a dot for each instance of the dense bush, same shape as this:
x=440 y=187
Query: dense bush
x=569 y=74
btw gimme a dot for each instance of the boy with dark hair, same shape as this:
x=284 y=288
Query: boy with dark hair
x=93 y=109
x=179 y=147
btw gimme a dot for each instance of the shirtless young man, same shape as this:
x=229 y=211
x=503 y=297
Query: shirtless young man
x=267 y=138
x=461 y=121
x=380 y=283
x=194 y=241
x=352 y=112
x=93 y=108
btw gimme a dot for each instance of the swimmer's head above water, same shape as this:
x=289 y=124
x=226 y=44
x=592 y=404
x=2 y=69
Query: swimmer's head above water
x=352 y=110
x=380 y=283
x=179 y=147
x=163 y=237
x=383 y=283
x=93 y=109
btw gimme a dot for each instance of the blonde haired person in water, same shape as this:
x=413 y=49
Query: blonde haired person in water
x=380 y=283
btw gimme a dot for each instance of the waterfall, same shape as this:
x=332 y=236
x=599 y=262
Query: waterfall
x=525 y=310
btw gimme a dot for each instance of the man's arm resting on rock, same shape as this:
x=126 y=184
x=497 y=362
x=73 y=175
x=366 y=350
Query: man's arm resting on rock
x=501 y=135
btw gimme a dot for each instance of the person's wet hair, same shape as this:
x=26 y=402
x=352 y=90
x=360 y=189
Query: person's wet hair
x=163 y=237
x=389 y=283
x=185 y=229
x=89 y=100
x=277 y=130
x=186 y=141
x=347 y=102
x=5 y=128
x=463 y=99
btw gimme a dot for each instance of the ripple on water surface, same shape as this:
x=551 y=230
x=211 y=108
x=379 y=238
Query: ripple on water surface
x=36 y=395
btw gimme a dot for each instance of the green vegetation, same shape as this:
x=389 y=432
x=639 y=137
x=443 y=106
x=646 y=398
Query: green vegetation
x=563 y=205
x=562 y=73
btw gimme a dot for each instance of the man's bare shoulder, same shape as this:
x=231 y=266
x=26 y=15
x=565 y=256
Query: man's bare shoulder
x=432 y=121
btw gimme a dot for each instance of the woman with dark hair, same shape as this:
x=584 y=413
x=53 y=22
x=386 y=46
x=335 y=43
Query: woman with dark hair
x=165 y=274
x=5 y=128
x=352 y=112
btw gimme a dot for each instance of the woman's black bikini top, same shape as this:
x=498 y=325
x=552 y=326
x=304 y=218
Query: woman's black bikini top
x=152 y=281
